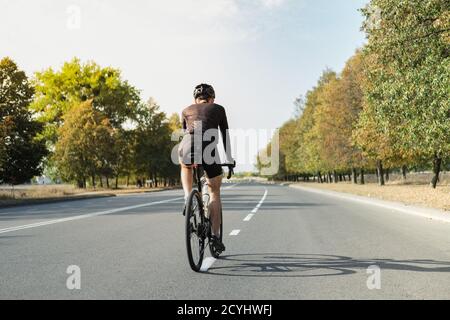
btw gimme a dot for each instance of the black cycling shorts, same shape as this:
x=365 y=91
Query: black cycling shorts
x=189 y=154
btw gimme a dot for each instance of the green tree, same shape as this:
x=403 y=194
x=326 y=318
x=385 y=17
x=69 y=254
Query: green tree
x=122 y=154
x=174 y=122
x=84 y=144
x=21 y=152
x=310 y=131
x=153 y=143
x=59 y=91
x=408 y=96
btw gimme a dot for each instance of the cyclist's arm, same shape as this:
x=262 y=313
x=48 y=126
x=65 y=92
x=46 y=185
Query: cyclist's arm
x=223 y=126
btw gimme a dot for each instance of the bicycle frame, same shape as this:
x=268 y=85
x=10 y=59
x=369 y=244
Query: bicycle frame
x=199 y=174
x=202 y=228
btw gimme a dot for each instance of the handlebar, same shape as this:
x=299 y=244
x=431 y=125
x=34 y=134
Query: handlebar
x=230 y=166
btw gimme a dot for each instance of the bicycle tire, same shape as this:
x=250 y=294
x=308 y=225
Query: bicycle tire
x=192 y=229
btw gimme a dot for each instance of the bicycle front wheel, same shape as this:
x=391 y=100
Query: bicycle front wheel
x=195 y=230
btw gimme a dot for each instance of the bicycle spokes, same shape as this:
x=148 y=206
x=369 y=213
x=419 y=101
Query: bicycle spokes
x=195 y=235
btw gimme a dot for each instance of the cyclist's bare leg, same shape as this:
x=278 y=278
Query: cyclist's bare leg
x=215 y=204
x=186 y=180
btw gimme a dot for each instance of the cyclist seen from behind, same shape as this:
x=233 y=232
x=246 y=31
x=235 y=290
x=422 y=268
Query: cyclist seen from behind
x=201 y=123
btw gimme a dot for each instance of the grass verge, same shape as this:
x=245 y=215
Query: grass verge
x=411 y=194
x=49 y=193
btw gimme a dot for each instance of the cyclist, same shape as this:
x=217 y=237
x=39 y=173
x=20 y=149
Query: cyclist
x=201 y=122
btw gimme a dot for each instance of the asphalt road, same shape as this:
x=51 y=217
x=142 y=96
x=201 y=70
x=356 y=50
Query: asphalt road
x=298 y=245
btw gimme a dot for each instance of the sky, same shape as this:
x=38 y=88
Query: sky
x=258 y=54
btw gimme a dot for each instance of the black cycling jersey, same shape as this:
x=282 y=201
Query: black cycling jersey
x=210 y=116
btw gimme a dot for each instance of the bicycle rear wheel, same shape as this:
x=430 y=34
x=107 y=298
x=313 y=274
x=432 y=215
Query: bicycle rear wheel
x=214 y=253
x=195 y=234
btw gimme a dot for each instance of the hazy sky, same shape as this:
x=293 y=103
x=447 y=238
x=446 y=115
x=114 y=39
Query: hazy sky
x=258 y=54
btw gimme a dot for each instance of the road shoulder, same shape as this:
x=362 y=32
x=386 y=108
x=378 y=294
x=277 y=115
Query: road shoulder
x=429 y=213
x=75 y=197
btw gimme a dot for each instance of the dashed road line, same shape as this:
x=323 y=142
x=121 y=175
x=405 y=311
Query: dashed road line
x=207 y=263
x=248 y=217
x=260 y=202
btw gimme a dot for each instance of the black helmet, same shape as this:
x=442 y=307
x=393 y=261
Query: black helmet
x=204 y=91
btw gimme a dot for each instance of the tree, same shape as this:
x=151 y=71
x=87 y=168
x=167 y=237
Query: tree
x=175 y=122
x=59 y=91
x=21 y=152
x=409 y=76
x=310 y=131
x=84 y=144
x=153 y=143
x=122 y=154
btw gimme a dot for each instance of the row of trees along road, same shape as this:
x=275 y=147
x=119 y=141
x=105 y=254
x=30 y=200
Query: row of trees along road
x=82 y=124
x=388 y=109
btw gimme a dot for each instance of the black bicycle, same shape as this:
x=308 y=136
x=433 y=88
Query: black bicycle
x=198 y=224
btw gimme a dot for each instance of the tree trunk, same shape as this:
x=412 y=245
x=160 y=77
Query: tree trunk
x=117 y=182
x=101 y=182
x=380 y=173
x=437 y=161
x=93 y=181
x=335 y=177
x=354 y=177
x=107 y=182
x=319 y=177
x=329 y=179
x=349 y=175
x=387 y=174
x=404 y=172
x=362 y=176
x=128 y=180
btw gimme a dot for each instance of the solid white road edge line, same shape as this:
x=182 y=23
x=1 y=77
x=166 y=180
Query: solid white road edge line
x=84 y=216
x=433 y=214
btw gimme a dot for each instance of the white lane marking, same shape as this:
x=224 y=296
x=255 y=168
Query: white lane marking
x=234 y=232
x=260 y=202
x=248 y=217
x=84 y=216
x=207 y=263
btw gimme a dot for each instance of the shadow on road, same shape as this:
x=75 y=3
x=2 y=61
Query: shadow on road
x=315 y=265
